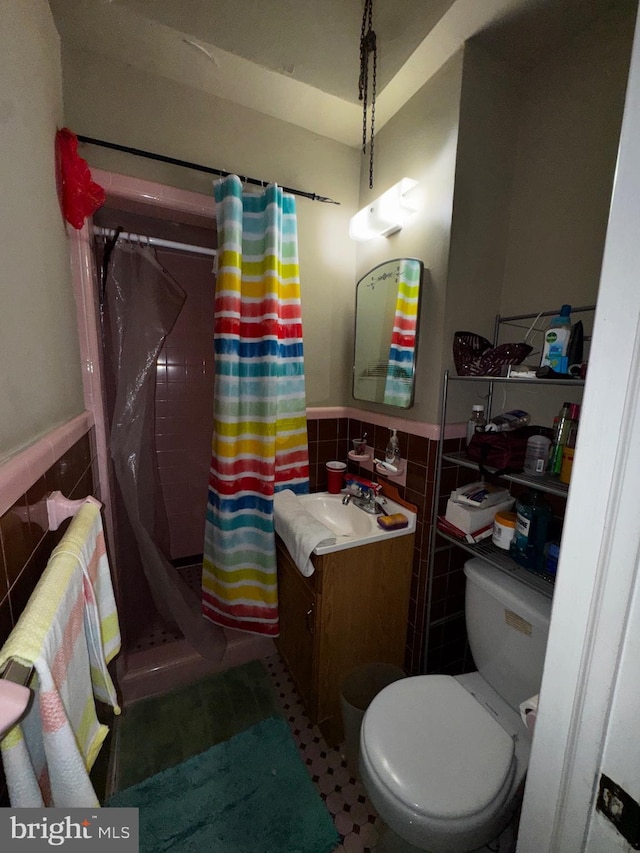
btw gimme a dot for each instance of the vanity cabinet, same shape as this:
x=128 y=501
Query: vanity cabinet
x=353 y=610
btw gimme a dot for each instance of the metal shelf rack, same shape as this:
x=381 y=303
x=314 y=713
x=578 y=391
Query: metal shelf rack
x=540 y=581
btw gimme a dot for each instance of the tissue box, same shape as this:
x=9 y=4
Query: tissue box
x=469 y=519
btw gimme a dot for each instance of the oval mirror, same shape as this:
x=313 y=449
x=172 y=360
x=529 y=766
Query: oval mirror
x=386 y=337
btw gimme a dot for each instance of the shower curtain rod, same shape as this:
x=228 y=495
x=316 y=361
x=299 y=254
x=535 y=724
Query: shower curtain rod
x=196 y=167
x=154 y=241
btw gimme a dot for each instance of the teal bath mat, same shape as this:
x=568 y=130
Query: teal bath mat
x=250 y=794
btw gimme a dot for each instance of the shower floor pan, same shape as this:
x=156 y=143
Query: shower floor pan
x=161 y=659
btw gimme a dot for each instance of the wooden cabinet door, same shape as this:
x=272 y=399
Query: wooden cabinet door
x=297 y=604
x=365 y=607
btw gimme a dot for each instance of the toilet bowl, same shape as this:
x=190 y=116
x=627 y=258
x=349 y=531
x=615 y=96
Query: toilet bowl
x=443 y=759
x=438 y=767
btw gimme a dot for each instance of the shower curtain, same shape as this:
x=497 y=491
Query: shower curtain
x=141 y=303
x=259 y=443
x=401 y=365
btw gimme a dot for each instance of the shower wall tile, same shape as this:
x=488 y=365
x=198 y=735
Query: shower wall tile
x=184 y=405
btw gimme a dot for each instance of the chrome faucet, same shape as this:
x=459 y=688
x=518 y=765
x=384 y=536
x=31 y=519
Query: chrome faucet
x=367 y=501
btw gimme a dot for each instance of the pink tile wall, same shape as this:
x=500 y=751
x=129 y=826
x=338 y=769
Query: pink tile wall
x=184 y=405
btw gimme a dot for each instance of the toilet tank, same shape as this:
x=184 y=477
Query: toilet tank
x=507 y=627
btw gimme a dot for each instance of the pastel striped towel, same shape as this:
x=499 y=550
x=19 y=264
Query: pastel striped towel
x=47 y=757
x=84 y=540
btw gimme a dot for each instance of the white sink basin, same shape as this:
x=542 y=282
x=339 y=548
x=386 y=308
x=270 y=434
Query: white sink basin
x=351 y=525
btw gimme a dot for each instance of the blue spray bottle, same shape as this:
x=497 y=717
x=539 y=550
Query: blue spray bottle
x=556 y=342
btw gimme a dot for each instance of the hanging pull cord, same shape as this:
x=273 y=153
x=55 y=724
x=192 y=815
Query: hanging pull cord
x=368 y=48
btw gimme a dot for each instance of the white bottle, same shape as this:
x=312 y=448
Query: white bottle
x=392 y=453
x=476 y=422
x=536 y=460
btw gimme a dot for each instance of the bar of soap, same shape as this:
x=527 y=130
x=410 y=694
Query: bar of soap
x=393 y=522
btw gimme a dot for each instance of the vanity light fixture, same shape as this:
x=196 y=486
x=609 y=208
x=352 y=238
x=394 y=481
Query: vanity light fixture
x=386 y=215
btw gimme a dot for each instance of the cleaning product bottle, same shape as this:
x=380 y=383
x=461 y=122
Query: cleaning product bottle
x=560 y=437
x=556 y=342
x=392 y=453
x=533 y=515
x=574 y=414
x=477 y=422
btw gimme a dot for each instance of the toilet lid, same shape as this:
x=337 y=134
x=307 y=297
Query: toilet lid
x=435 y=747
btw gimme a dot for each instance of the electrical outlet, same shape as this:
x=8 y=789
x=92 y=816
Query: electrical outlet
x=621 y=809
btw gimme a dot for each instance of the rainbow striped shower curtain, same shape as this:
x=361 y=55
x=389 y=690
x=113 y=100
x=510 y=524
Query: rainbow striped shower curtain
x=401 y=366
x=260 y=430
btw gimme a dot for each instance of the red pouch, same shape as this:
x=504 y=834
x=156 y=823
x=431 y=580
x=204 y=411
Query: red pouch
x=504 y=451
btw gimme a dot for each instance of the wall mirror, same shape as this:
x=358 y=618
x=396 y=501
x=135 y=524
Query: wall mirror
x=386 y=337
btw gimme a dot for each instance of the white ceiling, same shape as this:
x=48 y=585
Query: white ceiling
x=298 y=60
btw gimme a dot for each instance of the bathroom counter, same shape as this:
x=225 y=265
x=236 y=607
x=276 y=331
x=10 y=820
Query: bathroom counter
x=351 y=611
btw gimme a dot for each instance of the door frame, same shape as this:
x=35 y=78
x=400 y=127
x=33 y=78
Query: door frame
x=598 y=569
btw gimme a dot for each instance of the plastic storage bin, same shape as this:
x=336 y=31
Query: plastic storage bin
x=358 y=690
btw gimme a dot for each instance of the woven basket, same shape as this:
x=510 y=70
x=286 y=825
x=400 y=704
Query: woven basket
x=474 y=355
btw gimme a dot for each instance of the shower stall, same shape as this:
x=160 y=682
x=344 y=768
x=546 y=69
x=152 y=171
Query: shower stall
x=156 y=654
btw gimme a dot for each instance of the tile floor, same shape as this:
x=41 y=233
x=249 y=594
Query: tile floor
x=346 y=800
x=354 y=816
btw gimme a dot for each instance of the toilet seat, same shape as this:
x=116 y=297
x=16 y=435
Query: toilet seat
x=436 y=751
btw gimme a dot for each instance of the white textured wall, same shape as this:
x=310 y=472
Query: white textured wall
x=40 y=380
x=483 y=183
x=569 y=127
x=420 y=142
x=551 y=221
x=125 y=105
x=515 y=174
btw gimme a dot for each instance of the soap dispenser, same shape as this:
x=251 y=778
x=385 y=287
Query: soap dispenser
x=392 y=453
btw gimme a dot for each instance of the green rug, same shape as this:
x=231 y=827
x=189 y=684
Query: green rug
x=162 y=731
x=250 y=794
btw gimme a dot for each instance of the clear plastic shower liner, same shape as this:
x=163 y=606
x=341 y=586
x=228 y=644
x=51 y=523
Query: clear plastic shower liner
x=141 y=305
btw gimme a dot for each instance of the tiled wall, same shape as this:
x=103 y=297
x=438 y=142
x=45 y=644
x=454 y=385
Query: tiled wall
x=329 y=439
x=184 y=378
x=184 y=405
x=25 y=540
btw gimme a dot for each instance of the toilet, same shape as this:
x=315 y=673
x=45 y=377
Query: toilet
x=443 y=758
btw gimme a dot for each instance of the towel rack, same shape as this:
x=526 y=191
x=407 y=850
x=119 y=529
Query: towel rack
x=59 y=509
x=50 y=731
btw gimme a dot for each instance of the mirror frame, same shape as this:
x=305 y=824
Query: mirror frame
x=368 y=279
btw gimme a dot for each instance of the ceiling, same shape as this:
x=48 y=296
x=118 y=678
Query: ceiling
x=299 y=61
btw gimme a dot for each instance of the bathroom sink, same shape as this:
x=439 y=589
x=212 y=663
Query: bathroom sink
x=351 y=525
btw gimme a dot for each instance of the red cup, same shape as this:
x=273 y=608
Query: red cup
x=335 y=474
